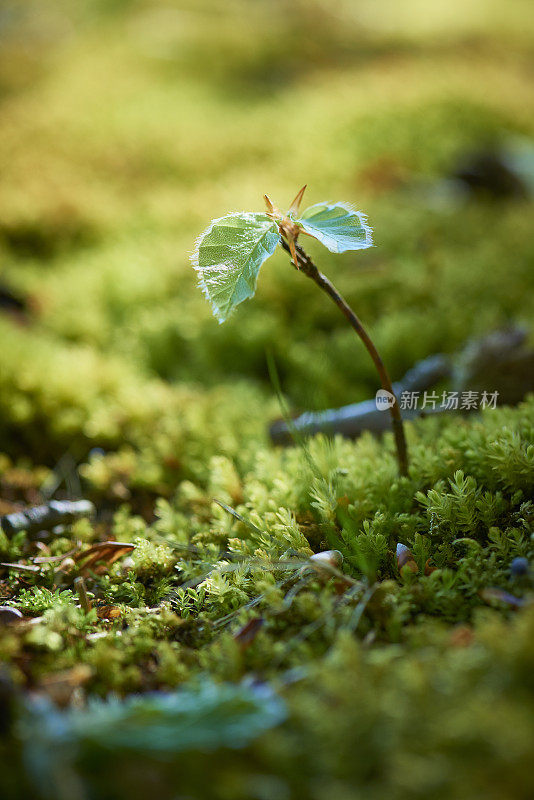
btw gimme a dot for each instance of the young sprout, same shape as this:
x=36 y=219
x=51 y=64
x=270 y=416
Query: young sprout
x=286 y=225
x=229 y=254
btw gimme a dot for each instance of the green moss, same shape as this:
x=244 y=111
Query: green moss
x=39 y=599
x=465 y=509
x=143 y=124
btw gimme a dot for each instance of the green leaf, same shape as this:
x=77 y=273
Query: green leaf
x=228 y=257
x=338 y=226
x=201 y=718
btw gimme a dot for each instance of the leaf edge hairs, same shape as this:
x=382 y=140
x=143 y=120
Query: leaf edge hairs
x=317 y=221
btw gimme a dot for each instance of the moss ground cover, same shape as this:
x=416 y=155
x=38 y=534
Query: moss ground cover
x=124 y=130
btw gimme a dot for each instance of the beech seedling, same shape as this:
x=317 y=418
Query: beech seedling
x=228 y=256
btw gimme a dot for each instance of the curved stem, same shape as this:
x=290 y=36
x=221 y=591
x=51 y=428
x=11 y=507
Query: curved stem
x=306 y=265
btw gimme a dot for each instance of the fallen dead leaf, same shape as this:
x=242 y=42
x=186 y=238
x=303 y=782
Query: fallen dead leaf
x=101 y=556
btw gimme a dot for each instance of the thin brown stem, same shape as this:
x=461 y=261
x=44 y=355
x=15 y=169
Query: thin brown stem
x=79 y=585
x=306 y=266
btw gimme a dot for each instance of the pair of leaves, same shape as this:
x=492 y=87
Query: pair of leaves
x=229 y=254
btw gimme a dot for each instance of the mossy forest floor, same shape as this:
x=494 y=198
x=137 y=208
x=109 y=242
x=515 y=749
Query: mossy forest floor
x=125 y=127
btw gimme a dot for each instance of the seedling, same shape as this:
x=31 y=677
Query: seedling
x=229 y=254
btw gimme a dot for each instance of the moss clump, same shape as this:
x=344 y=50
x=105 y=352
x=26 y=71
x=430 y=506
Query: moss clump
x=434 y=657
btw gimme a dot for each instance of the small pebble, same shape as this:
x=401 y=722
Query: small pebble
x=8 y=615
x=519 y=567
x=331 y=558
x=405 y=558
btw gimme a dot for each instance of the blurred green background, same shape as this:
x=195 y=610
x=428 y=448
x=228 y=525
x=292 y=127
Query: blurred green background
x=127 y=125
